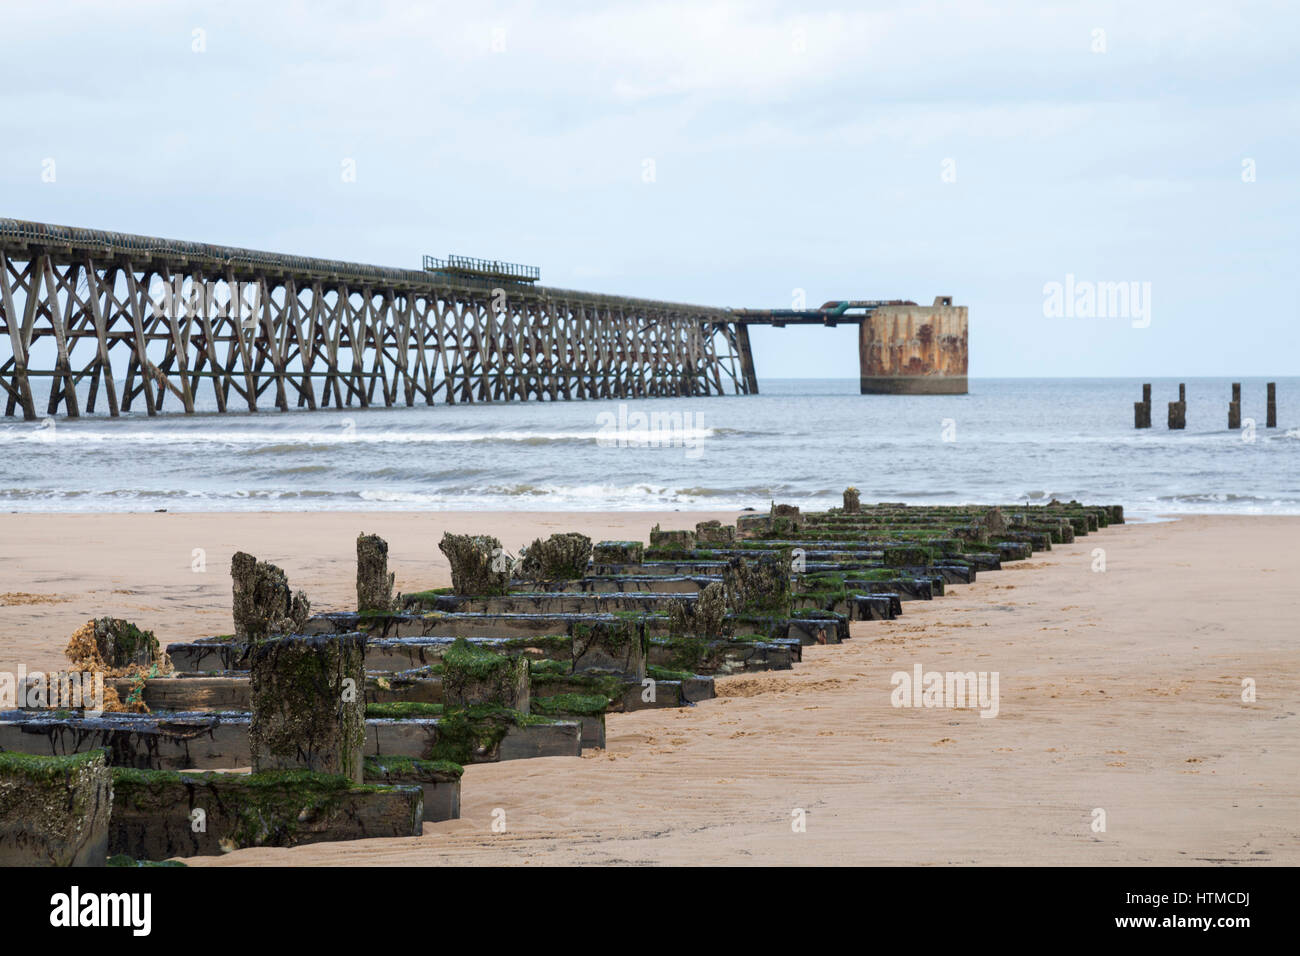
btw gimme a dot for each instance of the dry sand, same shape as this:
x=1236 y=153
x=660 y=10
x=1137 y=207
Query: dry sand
x=56 y=571
x=1119 y=690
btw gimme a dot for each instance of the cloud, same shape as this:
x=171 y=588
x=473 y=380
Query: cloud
x=793 y=145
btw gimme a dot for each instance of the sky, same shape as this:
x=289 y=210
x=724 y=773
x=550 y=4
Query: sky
x=729 y=154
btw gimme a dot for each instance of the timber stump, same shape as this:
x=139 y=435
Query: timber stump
x=308 y=704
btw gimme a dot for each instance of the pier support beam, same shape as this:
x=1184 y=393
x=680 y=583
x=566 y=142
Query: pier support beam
x=1272 y=406
x=1234 y=407
x=18 y=387
x=746 y=356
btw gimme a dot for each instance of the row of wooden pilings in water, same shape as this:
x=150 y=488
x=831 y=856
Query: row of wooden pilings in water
x=1178 y=409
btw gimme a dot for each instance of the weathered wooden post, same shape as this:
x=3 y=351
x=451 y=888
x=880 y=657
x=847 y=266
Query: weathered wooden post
x=263 y=603
x=479 y=565
x=308 y=703
x=1142 y=409
x=715 y=532
x=679 y=540
x=1178 y=409
x=374 y=582
x=852 y=501
x=1234 y=407
x=1271 y=421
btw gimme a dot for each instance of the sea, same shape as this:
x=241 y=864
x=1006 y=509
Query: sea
x=799 y=441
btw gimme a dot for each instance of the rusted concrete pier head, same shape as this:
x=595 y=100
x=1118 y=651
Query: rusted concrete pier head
x=914 y=349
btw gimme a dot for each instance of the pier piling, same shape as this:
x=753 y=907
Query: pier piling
x=1271 y=421
x=1234 y=407
x=374 y=580
x=1178 y=409
x=1142 y=409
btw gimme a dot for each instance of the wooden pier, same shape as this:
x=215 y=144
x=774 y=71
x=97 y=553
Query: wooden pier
x=250 y=328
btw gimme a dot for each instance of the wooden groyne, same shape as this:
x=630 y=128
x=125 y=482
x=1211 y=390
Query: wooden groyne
x=368 y=716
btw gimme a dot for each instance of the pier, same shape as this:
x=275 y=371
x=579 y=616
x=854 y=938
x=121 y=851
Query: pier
x=175 y=321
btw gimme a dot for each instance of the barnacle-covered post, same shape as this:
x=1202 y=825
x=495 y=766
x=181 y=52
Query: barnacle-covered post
x=374 y=581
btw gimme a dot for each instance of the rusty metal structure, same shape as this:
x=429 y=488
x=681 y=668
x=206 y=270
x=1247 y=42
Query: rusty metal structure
x=914 y=349
x=903 y=348
x=87 y=309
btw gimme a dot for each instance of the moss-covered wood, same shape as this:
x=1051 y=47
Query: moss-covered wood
x=308 y=704
x=439 y=779
x=381 y=768
x=472 y=734
x=475 y=675
x=54 y=810
x=160 y=814
x=114 y=645
x=548 y=681
x=706 y=618
x=572 y=705
x=759 y=585
x=404 y=710
x=904 y=557
x=614 y=645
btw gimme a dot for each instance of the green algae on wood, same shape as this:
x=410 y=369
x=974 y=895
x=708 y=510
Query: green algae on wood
x=54 y=810
x=476 y=675
x=379 y=766
x=578 y=705
x=156 y=811
x=308 y=703
x=403 y=710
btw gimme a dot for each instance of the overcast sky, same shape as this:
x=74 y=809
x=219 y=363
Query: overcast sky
x=722 y=153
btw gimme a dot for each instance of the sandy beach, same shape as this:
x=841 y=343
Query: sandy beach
x=1120 y=691
x=58 y=570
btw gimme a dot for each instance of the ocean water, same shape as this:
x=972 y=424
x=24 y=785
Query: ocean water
x=799 y=441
